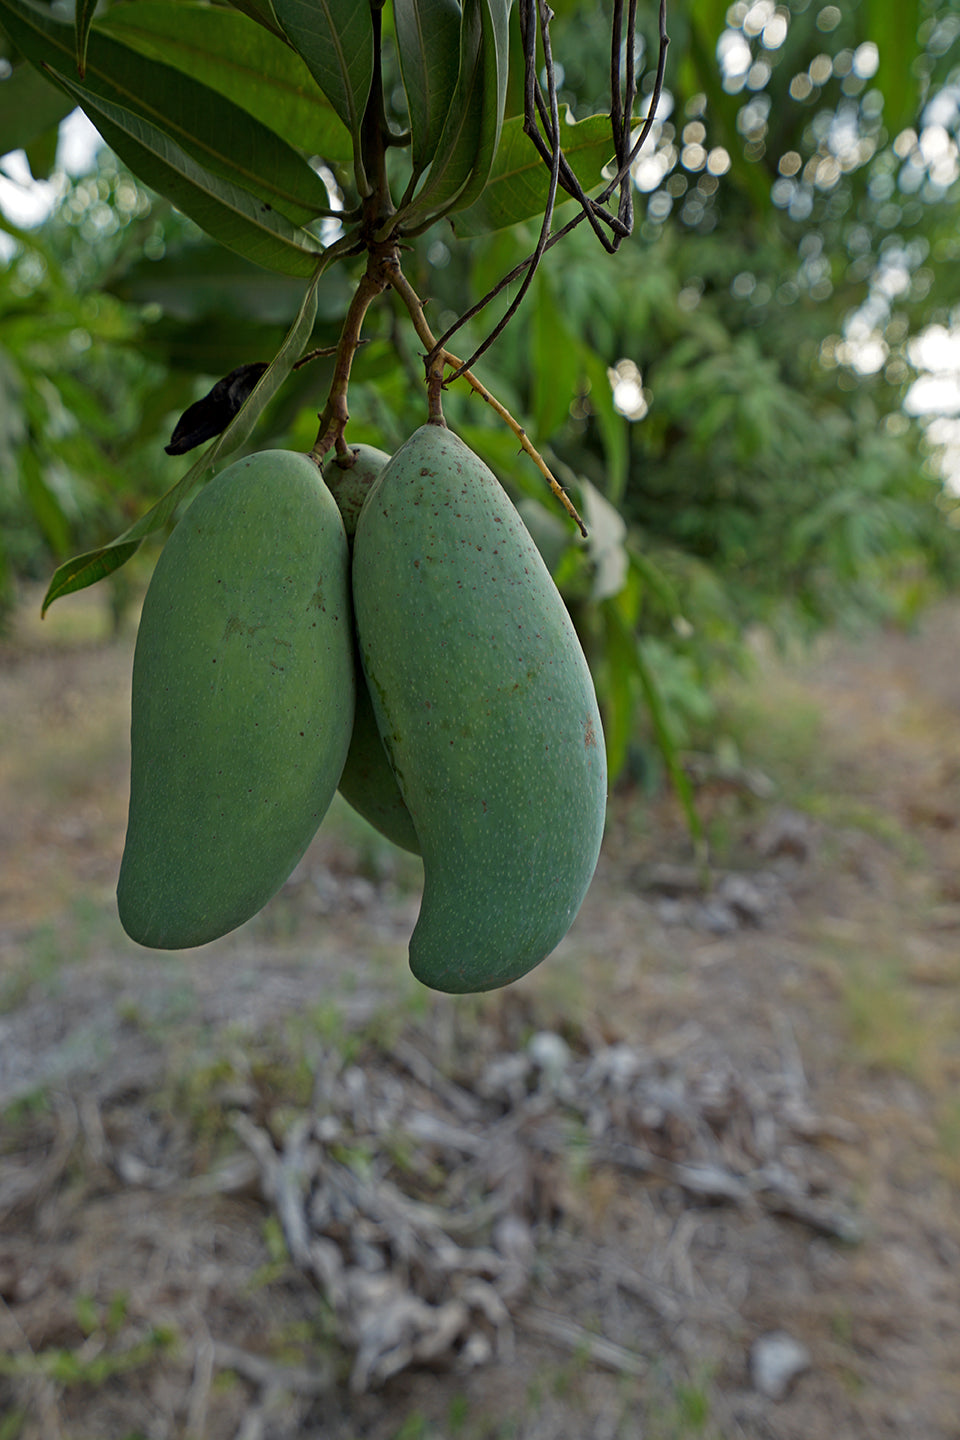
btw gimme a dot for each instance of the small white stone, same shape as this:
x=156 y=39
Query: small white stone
x=775 y=1362
x=549 y=1051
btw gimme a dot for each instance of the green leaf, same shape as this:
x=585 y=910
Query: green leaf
x=625 y=656
x=43 y=501
x=261 y=11
x=456 y=149
x=427 y=35
x=231 y=215
x=554 y=361
x=611 y=424
x=335 y=38
x=206 y=283
x=653 y=579
x=83 y=19
x=669 y=751
x=519 y=181
x=94 y=565
x=496 y=64
x=29 y=105
x=256 y=71
x=41 y=153
x=219 y=135
x=619 y=700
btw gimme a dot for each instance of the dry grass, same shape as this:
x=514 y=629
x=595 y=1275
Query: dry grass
x=148 y=1279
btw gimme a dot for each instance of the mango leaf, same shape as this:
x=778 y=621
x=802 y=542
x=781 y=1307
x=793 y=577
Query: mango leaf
x=219 y=135
x=41 y=153
x=518 y=183
x=335 y=38
x=652 y=578
x=212 y=413
x=94 y=565
x=668 y=750
x=220 y=48
x=515 y=76
x=201 y=282
x=43 y=501
x=554 y=360
x=427 y=34
x=262 y=12
x=625 y=657
x=493 y=97
x=618 y=688
x=29 y=106
x=82 y=20
x=610 y=423
x=456 y=150
x=231 y=215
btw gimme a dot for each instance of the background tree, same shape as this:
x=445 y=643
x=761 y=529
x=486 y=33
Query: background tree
x=723 y=397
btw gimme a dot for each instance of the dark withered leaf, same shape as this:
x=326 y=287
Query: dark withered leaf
x=211 y=415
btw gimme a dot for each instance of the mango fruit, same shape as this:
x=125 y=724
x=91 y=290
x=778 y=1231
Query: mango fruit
x=351 y=484
x=487 y=710
x=367 y=784
x=243 y=701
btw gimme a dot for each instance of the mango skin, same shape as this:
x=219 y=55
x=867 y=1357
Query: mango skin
x=351 y=484
x=487 y=710
x=243 y=701
x=367 y=784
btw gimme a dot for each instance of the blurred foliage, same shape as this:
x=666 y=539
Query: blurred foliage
x=724 y=397
x=81 y=401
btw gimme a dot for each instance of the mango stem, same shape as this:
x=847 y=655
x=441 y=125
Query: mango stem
x=335 y=414
x=443 y=357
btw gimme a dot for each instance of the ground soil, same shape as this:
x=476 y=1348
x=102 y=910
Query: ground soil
x=795 y=1045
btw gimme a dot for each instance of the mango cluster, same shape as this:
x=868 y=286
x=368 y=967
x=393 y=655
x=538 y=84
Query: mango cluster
x=389 y=629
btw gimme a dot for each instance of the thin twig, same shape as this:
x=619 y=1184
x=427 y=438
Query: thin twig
x=335 y=414
x=594 y=211
x=537 y=255
x=443 y=357
x=652 y=108
x=198 y=1398
x=573 y=1337
x=319 y=354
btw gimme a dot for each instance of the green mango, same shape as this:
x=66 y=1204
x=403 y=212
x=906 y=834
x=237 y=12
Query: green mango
x=487 y=709
x=350 y=484
x=367 y=784
x=243 y=701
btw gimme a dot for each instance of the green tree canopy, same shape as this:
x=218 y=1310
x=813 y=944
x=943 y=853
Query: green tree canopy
x=723 y=396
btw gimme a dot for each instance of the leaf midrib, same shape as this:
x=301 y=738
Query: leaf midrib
x=128 y=28
x=231 y=200
x=152 y=113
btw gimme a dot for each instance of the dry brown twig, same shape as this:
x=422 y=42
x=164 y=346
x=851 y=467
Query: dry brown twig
x=438 y=358
x=198 y=1396
x=384 y=271
x=426 y=1244
x=572 y=1336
